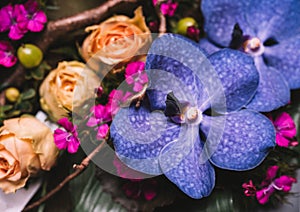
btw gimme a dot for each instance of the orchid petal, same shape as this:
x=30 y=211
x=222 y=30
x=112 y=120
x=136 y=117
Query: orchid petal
x=180 y=163
x=246 y=140
x=238 y=75
x=221 y=17
x=273 y=91
x=139 y=136
x=169 y=70
x=285 y=58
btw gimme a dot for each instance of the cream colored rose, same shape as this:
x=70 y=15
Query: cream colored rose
x=67 y=86
x=26 y=147
x=117 y=39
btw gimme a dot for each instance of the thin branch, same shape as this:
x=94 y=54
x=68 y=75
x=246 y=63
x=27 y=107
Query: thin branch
x=162 y=19
x=78 y=170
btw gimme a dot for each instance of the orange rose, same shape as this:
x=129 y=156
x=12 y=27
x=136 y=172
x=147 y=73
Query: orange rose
x=58 y=89
x=26 y=147
x=117 y=39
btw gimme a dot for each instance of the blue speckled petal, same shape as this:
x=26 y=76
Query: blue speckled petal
x=286 y=19
x=239 y=77
x=285 y=58
x=208 y=46
x=221 y=16
x=180 y=162
x=273 y=91
x=177 y=64
x=246 y=140
x=139 y=136
x=266 y=16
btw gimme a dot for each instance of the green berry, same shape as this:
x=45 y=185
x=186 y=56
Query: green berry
x=184 y=23
x=30 y=55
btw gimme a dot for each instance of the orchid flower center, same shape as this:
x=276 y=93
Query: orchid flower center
x=253 y=46
x=193 y=115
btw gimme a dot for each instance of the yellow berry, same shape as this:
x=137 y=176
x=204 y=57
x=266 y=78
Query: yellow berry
x=12 y=94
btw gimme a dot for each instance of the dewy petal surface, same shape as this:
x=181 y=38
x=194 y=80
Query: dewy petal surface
x=265 y=16
x=221 y=16
x=285 y=58
x=288 y=19
x=245 y=142
x=238 y=75
x=187 y=72
x=180 y=162
x=139 y=135
x=208 y=46
x=273 y=91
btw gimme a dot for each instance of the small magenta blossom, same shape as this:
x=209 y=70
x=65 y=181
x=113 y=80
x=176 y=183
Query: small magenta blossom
x=101 y=115
x=7 y=57
x=135 y=75
x=68 y=138
x=36 y=17
x=285 y=130
x=137 y=188
x=167 y=8
x=283 y=183
x=102 y=131
x=141 y=189
x=116 y=99
x=250 y=189
x=14 y=19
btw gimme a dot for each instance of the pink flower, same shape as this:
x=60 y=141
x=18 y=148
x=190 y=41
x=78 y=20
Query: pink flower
x=250 y=189
x=283 y=183
x=271 y=174
x=168 y=8
x=102 y=131
x=7 y=58
x=14 y=19
x=135 y=75
x=285 y=130
x=116 y=99
x=68 y=138
x=36 y=18
x=124 y=171
x=137 y=189
x=263 y=195
x=100 y=114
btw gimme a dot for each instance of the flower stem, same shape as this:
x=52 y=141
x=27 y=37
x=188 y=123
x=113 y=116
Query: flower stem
x=78 y=170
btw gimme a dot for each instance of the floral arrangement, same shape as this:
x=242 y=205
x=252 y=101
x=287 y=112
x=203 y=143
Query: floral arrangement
x=154 y=110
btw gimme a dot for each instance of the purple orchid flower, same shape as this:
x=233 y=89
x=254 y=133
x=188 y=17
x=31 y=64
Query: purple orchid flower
x=162 y=136
x=68 y=138
x=36 y=17
x=269 y=31
x=7 y=57
x=14 y=19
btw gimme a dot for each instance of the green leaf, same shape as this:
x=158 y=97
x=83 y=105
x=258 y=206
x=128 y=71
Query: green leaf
x=25 y=107
x=88 y=194
x=28 y=94
x=39 y=72
x=6 y=108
